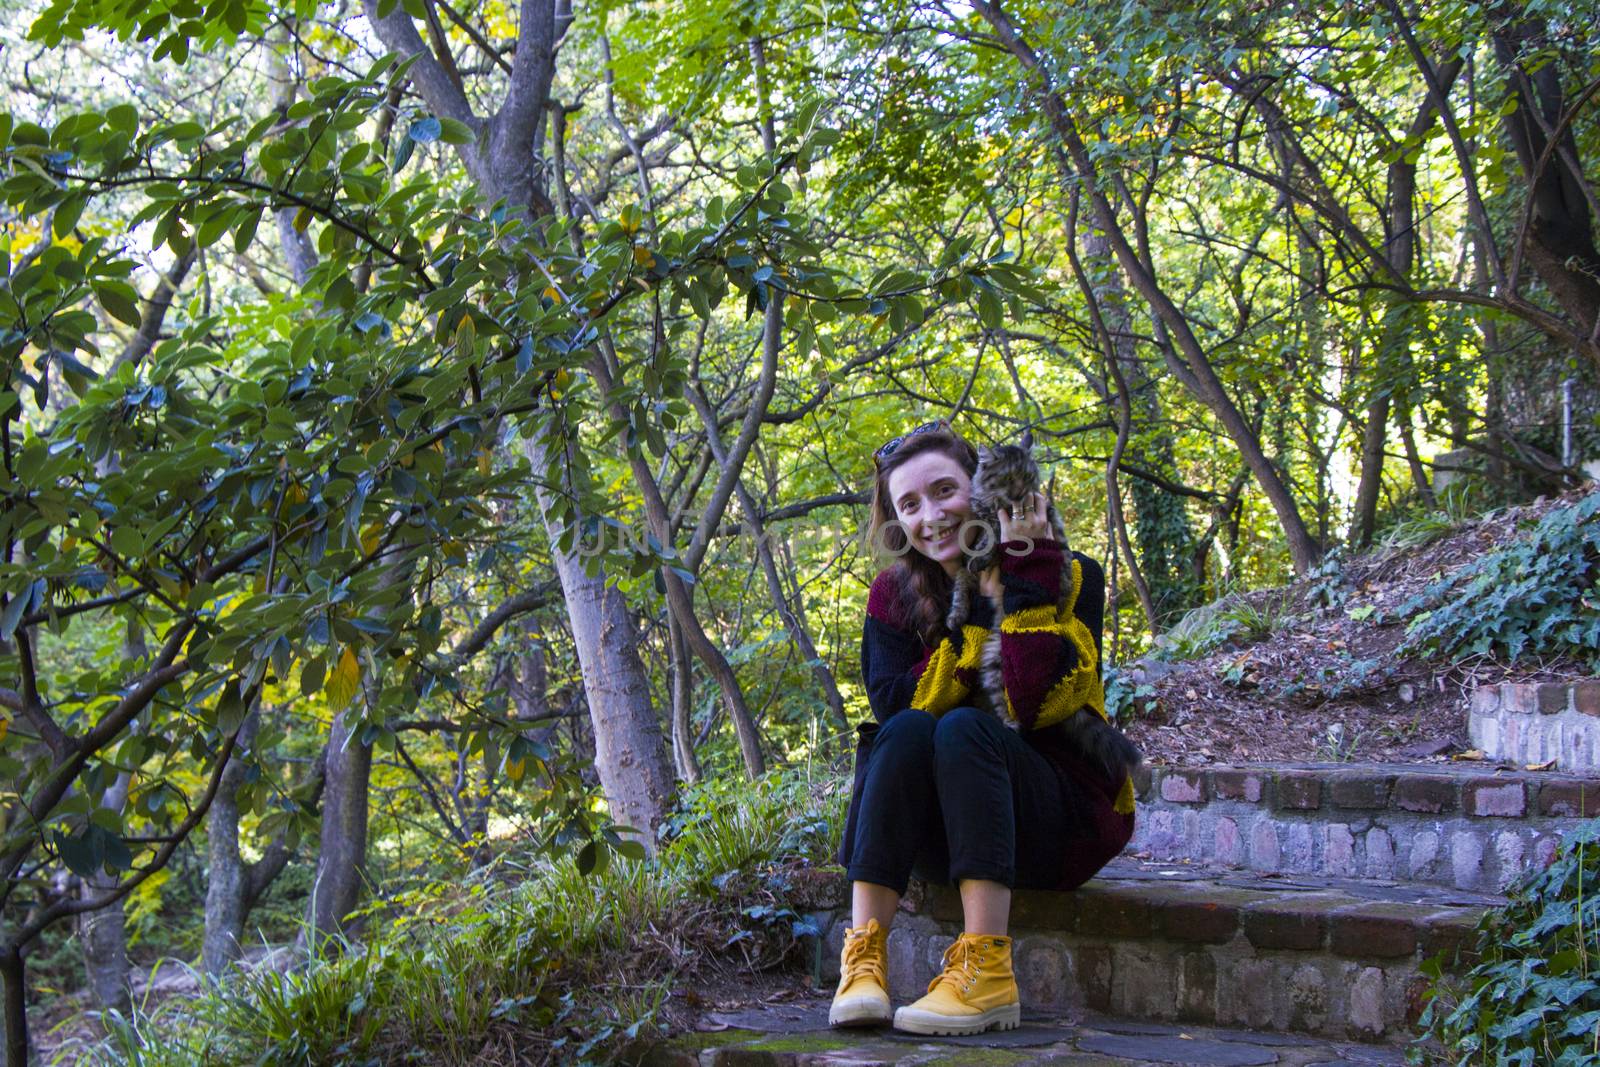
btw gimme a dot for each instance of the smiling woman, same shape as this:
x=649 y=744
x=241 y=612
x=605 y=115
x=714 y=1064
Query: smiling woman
x=942 y=788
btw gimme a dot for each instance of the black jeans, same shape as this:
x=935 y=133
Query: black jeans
x=951 y=798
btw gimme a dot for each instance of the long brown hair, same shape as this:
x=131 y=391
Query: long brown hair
x=924 y=586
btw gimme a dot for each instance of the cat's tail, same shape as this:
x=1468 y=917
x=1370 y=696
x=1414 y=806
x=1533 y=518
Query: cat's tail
x=960 y=601
x=1103 y=743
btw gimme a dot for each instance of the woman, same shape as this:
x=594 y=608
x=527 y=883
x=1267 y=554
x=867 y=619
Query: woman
x=944 y=788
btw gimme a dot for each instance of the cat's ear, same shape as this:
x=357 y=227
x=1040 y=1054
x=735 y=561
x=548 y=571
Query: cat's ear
x=985 y=454
x=1027 y=439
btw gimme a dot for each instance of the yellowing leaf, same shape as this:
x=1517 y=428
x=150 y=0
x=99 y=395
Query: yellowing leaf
x=369 y=538
x=466 y=335
x=643 y=256
x=516 y=768
x=5 y=726
x=345 y=681
x=484 y=462
x=552 y=294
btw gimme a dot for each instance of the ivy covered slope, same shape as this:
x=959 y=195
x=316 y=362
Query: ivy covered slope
x=1373 y=655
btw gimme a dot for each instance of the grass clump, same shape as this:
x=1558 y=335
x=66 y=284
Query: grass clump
x=1534 y=996
x=527 y=961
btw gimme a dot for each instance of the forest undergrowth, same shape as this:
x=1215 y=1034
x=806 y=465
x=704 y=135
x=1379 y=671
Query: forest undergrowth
x=525 y=961
x=1371 y=656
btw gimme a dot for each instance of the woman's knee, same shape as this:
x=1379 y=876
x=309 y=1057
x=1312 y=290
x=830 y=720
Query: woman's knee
x=908 y=730
x=963 y=727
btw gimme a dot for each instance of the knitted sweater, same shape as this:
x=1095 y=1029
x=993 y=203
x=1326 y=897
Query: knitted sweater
x=1050 y=662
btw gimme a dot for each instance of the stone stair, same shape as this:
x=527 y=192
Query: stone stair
x=1170 y=942
x=1284 y=898
x=1458 y=825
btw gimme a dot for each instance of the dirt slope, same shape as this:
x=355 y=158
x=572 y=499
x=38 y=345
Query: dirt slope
x=1314 y=673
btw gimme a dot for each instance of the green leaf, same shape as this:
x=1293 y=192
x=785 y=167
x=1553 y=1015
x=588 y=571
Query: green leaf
x=453 y=132
x=119 y=299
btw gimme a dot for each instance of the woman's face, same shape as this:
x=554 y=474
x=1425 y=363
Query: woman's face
x=930 y=493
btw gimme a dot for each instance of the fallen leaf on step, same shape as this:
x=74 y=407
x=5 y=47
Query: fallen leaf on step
x=1547 y=765
x=1469 y=754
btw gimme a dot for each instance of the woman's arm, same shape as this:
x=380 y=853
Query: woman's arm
x=1049 y=657
x=900 y=672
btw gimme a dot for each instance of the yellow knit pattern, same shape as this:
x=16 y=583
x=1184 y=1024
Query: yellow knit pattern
x=1082 y=687
x=939 y=690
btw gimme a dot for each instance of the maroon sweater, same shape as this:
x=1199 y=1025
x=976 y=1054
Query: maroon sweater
x=893 y=660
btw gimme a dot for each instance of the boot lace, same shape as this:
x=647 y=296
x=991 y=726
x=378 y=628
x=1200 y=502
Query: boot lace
x=961 y=962
x=860 y=961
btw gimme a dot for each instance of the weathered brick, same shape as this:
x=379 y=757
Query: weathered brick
x=1184 y=786
x=1521 y=698
x=1298 y=791
x=1495 y=797
x=1197 y=987
x=1363 y=791
x=1452 y=933
x=1093 y=967
x=1431 y=793
x=1296 y=923
x=1213 y=920
x=1486 y=700
x=1113 y=912
x=1039 y=909
x=1554 y=697
x=1586 y=697
x=1231 y=784
x=1374 y=930
x=1570 y=799
x=1227 y=846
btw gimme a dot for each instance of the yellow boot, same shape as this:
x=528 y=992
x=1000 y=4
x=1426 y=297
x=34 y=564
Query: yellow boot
x=862 y=998
x=975 y=992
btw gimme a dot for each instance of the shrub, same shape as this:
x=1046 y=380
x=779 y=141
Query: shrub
x=1534 y=997
x=1537 y=595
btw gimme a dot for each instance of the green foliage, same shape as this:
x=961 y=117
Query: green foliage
x=1209 y=627
x=1538 y=595
x=527 y=948
x=1534 y=996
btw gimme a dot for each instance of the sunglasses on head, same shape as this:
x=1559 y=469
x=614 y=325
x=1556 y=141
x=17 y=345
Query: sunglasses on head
x=887 y=449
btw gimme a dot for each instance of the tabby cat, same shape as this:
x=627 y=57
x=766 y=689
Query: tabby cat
x=1006 y=476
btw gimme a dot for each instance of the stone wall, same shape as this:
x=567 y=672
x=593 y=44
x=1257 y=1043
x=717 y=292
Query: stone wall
x=1470 y=828
x=1316 y=960
x=1537 y=722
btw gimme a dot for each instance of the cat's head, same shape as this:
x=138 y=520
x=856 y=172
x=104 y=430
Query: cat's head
x=1006 y=472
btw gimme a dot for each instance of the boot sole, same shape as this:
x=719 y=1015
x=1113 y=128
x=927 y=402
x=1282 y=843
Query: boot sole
x=1005 y=1017
x=858 y=1013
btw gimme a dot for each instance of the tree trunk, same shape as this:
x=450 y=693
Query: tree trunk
x=104 y=932
x=630 y=753
x=1560 y=232
x=1195 y=369
x=1165 y=534
x=342 y=850
x=755 y=529
x=682 y=702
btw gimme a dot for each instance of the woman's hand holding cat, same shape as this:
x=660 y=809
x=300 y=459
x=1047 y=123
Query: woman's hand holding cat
x=1030 y=520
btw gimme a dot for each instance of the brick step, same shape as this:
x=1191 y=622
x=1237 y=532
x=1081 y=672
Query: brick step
x=1171 y=942
x=796 y=1034
x=1537 y=722
x=1447 y=825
